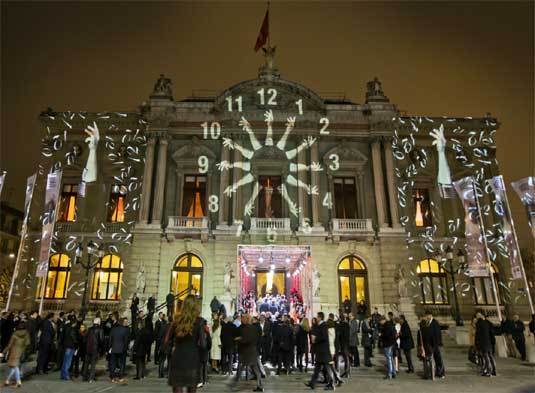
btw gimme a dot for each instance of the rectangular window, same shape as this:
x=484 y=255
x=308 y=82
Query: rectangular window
x=194 y=196
x=117 y=204
x=345 y=197
x=68 y=202
x=269 y=199
x=422 y=207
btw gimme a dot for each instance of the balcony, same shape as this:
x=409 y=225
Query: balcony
x=187 y=225
x=262 y=225
x=68 y=226
x=352 y=226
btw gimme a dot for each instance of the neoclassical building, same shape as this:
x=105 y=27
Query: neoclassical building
x=264 y=187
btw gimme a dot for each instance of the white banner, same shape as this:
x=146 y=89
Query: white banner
x=53 y=187
x=2 y=179
x=525 y=188
x=474 y=233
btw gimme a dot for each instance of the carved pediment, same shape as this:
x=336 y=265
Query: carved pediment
x=346 y=153
x=192 y=151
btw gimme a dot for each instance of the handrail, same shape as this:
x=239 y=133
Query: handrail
x=164 y=304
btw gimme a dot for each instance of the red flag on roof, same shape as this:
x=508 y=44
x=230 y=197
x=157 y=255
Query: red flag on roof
x=263 y=34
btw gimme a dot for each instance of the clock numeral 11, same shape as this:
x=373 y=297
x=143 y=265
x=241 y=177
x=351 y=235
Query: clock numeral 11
x=238 y=101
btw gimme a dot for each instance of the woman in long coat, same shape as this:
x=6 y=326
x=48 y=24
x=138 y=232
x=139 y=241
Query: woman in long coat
x=184 y=336
x=215 y=351
x=16 y=347
x=303 y=331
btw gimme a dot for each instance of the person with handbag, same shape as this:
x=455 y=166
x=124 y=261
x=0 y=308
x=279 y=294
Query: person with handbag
x=16 y=346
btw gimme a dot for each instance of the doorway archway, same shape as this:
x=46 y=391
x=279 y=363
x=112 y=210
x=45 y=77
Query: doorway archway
x=352 y=281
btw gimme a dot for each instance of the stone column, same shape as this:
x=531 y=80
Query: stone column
x=378 y=183
x=237 y=206
x=361 y=198
x=302 y=194
x=179 y=192
x=314 y=157
x=223 y=183
x=146 y=192
x=159 y=190
x=391 y=182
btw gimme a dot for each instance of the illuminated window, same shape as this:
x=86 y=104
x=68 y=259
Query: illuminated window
x=187 y=273
x=352 y=280
x=345 y=194
x=433 y=282
x=107 y=278
x=68 y=202
x=116 y=204
x=482 y=288
x=194 y=196
x=422 y=207
x=57 y=278
x=269 y=199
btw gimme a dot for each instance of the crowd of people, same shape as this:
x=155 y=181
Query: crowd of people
x=186 y=348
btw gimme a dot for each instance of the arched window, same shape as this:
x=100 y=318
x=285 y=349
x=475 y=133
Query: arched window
x=482 y=286
x=57 y=278
x=187 y=273
x=352 y=280
x=433 y=282
x=107 y=277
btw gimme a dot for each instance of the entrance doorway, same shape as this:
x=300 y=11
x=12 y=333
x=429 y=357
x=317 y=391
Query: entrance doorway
x=352 y=281
x=273 y=283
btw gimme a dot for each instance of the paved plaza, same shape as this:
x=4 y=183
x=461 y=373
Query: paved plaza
x=461 y=376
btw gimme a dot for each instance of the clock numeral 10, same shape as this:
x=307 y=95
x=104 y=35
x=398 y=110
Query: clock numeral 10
x=215 y=129
x=299 y=104
x=272 y=95
x=238 y=101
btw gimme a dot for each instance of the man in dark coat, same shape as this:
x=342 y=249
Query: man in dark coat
x=46 y=342
x=320 y=339
x=159 y=333
x=68 y=340
x=32 y=328
x=247 y=347
x=142 y=343
x=94 y=341
x=367 y=341
x=354 y=327
x=388 y=338
x=484 y=338
x=228 y=333
x=342 y=344
x=434 y=341
x=406 y=342
x=518 y=336
x=134 y=309
x=215 y=305
x=265 y=339
x=151 y=305
x=170 y=303
x=346 y=305
x=119 y=336
x=60 y=351
x=285 y=344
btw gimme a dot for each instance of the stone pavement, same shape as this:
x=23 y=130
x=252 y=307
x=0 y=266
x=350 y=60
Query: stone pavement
x=513 y=376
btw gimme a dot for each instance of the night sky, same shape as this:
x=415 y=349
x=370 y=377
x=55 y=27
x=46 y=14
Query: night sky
x=439 y=58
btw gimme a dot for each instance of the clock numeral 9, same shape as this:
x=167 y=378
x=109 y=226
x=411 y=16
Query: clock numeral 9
x=238 y=101
x=203 y=164
x=271 y=100
x=325 y=123
x=335 y=165
x=213 y=203
x=215 y=129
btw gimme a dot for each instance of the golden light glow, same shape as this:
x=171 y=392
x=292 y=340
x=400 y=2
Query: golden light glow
x=57 y=279
x=419 y=218
x=187 y=272
x=118 y=211
x=107 y=278
x=195 y=209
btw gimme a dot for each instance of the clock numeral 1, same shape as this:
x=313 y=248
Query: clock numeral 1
x=299 y=104
x=271 y=92
x=238 y=101
x=215 y=130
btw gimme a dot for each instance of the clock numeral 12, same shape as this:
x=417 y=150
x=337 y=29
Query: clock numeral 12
x=271 y=100
x=238 y=101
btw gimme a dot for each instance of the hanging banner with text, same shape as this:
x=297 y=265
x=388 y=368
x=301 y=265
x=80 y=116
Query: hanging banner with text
x=475 y=244
x=53 y=184
x=525 y=188
x=509 y=235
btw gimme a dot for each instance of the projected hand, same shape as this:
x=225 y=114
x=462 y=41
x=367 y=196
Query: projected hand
x=440 y=140
x=269 y=117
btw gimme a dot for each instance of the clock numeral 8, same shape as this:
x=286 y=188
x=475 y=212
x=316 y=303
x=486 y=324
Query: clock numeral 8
x=213 y=203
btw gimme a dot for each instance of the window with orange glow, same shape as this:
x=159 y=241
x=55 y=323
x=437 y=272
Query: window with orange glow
x=433 y=282
x=68 y=202
x=107 y=278
x=187 y=273
x=57 y=278
x=422 y=207
x=116 y=204
x=194 y=196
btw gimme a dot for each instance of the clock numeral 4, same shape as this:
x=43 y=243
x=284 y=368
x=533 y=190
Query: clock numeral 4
x=328 y=201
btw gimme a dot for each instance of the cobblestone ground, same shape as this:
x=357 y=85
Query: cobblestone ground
x=461 y=376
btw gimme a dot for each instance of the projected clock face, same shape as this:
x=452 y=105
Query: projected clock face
x=258 y=140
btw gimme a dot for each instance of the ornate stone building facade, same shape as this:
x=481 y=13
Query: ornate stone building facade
x=234 y=189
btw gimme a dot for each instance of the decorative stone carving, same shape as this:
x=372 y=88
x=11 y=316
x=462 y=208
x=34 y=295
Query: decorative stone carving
x=140 y=280
x=227 y=279
x=162 y=87
x=402 y=283
x=315 y=281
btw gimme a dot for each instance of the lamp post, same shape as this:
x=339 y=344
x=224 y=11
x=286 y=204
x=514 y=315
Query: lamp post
x=452 y=272
x=92 y=249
